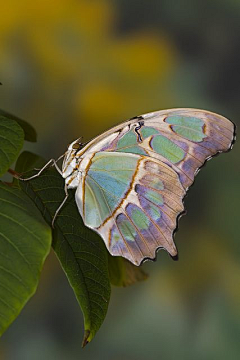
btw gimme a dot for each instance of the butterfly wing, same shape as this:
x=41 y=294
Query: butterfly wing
x=136 y=175
x=182 y=138
x=133 y=202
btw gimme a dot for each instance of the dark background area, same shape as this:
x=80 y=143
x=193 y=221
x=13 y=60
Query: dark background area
x=76 y=68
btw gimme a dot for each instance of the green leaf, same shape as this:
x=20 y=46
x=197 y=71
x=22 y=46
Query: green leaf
x=11 y=142
x=29 y=132
x=123 y=273
x=81 y=252
x=25 y=241
x=26 y=161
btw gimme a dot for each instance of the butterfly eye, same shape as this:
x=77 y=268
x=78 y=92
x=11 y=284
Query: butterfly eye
x=76 y=146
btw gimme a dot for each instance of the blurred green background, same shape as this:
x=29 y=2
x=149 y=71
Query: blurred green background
x=77 y=67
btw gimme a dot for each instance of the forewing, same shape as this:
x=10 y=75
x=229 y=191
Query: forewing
x=181 y=138
x=133 y=202
x=184 y=139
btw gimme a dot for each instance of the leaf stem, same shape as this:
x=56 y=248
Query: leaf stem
x=15 y=174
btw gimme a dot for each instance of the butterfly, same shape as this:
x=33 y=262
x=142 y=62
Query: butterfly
x=131 y=180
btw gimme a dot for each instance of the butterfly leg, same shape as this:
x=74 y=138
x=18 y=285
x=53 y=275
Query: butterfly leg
x=51 y=162
x=59 y=208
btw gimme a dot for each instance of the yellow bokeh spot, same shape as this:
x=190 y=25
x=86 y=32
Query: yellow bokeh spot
x=98 y=106
x=93 y=17
x=143 y=55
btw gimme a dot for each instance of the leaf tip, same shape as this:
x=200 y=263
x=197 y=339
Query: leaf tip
x=86 y=339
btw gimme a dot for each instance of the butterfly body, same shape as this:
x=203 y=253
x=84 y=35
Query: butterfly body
x=131 y=180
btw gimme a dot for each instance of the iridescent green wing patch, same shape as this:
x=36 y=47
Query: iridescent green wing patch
x=167 y=148
x=129 y=142
x=191 y=128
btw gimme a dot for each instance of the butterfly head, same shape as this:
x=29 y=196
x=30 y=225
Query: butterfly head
x=76 y=145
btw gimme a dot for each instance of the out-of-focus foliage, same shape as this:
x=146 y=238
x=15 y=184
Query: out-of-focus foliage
x=29 y=132
x=79 y=67
x=123 y=273
x=11 y=143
